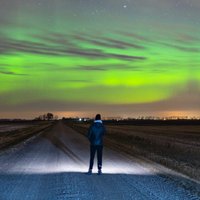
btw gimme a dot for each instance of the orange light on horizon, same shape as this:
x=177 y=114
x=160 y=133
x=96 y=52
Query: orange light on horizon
x=180 y=114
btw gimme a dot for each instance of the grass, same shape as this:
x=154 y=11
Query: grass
x=14 y=137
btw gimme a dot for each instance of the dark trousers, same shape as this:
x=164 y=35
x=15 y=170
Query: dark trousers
x=93 y=149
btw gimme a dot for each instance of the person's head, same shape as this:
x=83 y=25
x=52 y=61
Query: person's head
x=98 y=117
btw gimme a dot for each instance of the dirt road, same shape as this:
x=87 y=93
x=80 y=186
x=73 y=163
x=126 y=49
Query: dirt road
x=53 y=166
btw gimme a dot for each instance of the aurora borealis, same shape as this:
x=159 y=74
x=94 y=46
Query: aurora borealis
x=118 y=57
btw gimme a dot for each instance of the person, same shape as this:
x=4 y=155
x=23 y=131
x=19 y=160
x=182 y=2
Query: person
x=95 y=136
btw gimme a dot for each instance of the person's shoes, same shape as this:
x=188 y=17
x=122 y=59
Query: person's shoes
x=89 y=172
x=99 y=172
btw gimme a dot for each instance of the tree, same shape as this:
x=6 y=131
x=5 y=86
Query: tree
x=49 y=116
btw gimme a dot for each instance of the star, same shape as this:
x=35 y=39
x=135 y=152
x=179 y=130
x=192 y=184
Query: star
x=125 y=6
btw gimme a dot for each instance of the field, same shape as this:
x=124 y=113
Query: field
x=13 y=133
x=174 y=146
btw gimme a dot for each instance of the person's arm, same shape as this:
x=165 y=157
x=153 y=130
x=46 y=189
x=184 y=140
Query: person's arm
x=104 y=130
x=89 y=134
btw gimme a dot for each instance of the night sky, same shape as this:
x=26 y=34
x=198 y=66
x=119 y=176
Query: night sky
x=123 y=58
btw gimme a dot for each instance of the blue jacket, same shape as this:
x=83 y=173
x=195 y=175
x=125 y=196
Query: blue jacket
x=96 y=133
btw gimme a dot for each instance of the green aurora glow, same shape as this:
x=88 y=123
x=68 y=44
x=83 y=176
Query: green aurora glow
x=98 y=54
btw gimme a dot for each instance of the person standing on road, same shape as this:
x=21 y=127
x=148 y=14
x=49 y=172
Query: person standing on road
x=95 y=136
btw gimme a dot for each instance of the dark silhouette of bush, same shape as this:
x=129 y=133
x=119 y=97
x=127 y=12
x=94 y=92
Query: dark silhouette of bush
x=49 y=116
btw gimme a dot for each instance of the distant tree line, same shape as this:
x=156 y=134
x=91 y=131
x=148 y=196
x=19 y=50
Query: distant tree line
x=47 y=117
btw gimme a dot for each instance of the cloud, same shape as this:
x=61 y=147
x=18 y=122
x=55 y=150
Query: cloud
x=104 y=67
x=12 y=73
x=106 y=42
x=181 y=48
x=11 y=45
x=90 y=68
x=187 y=39
x=127 y=57
x=77 y=81
x=8 y=46
x=89 y=53
x=55 y=38
x=122 y=43
x=134 y=36
x=186 y=49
